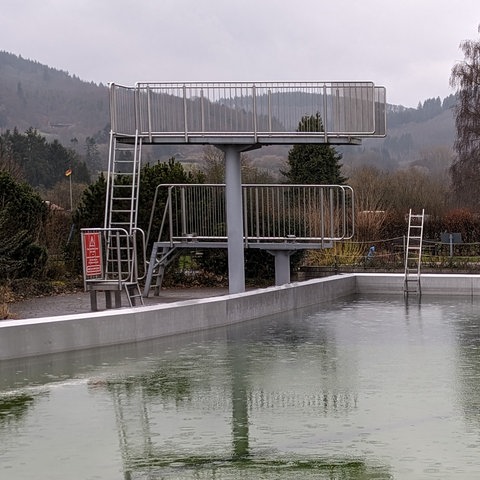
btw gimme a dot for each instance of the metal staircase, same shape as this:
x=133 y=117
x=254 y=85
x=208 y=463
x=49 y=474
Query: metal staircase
x=413 y=254
x=134 y=294
x=160 y=258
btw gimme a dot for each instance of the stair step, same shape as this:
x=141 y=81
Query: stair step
x=133 y=292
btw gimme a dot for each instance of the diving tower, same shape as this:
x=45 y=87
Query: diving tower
x=235 y=117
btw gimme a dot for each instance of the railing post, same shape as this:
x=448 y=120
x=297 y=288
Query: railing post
x=332 y=227
x=257 y=213
x=246 y=197
x=170 y=214
x=136 y=108
x=113 y=108
x=183 y=211
x=325 y=122
x=322 y=215
x=202 y=110
x=269 y=111
x=149 y=110
x=254 y=96
x=185 y=112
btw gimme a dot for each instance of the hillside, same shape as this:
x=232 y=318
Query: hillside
x=53 y=102
x=61 y=106
x=410 y=143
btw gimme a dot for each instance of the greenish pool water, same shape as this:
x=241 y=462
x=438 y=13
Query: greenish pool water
x=363 y=388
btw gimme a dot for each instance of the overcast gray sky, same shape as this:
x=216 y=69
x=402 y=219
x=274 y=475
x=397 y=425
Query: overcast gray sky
x=409 y=46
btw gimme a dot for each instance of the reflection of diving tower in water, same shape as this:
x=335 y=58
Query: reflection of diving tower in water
x=235 y=117
x=219 y=401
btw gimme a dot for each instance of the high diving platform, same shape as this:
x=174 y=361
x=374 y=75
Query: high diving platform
x=247 y=113
x=235 y=117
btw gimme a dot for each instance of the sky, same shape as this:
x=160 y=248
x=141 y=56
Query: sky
x=407 y=46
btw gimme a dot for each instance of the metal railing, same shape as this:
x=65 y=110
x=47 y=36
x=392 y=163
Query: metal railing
x=271 y=213
x=118 y=252
x=258 y=110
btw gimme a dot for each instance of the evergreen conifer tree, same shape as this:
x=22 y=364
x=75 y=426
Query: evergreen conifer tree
x=313 y=163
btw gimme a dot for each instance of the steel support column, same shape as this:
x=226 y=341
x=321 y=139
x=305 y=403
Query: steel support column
x=282 y=265
x=233 y=187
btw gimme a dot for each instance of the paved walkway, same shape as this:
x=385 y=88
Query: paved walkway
x=80 y=302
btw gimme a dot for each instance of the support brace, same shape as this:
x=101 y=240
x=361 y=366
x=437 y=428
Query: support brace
x=282 y=265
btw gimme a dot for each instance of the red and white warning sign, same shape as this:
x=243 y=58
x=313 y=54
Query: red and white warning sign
x=92 y=254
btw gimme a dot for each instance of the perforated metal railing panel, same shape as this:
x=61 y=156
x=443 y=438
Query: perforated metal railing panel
x=294 y=213
x=248 y=112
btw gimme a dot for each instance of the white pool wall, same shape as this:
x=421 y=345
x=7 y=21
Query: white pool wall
x=40 y=336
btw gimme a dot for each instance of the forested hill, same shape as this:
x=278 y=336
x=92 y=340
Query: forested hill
x=399 y=115
x=422 y=136
x=55 y=103
x=61 y=106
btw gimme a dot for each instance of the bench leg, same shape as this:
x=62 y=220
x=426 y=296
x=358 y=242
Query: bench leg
x=108 y=299
x=93 y=300
x=118 y=298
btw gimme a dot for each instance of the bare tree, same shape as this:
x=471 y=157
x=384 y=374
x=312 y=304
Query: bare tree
x=214 y=168
x=436 y=162
x=369 y=184
x=465 y=170
x=379 y=194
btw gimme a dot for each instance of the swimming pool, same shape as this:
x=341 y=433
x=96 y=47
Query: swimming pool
x=367 y=387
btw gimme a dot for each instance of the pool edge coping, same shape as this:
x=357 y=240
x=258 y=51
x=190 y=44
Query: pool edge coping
x=47 y=335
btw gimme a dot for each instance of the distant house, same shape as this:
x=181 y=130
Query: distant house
x=53 y=206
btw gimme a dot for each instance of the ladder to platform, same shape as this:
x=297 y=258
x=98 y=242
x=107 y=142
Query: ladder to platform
x=121 y=214
x=413 y=254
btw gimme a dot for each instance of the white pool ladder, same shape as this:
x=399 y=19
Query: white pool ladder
x=413 y=254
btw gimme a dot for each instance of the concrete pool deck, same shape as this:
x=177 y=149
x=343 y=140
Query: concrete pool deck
x=79 y=302
x=66 y=323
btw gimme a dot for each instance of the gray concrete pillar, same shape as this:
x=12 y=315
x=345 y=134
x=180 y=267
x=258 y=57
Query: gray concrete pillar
x=282 y=266
x=233 y=187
